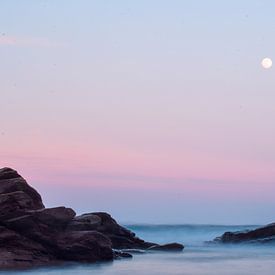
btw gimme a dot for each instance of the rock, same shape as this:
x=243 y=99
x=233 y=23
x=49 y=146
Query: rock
x=55 y=217
x=17 y=251
x=25 y=224
x=89 y=218
x=121 y=237
x=14 y=204
x=8 y=173
x=121 y=254
x=85 y=246
x=43 y=226
x=133 y=251
x=11 y=181
x=264 y=234
x=84 y=222
x=32 y=235
x=108 y=224
x=167 y=247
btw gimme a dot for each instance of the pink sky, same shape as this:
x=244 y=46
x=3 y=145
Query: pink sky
x=125 y=110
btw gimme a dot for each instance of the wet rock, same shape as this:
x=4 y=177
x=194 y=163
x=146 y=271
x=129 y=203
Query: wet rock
x=133 y=251
x=121 y=254
x=167 y=247
x=264 y=234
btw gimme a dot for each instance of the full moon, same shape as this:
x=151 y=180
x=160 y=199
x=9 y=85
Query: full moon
x=267 y=63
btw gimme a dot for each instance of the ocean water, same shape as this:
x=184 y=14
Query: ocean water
x=198 y=257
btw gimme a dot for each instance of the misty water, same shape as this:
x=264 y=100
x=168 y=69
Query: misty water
x=198 y=257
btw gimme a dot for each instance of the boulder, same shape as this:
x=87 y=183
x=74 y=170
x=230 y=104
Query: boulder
x=43 y=226
x=84 y=246
x=54 y=217
x=264 y=234
x=121 y=237
x=11 y=181
x=84 y=222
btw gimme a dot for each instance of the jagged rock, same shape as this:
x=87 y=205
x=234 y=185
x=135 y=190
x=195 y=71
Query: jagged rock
x=55 y=217
x=167 y=247
x=84 y=222
x=264 y=234
x=108 y=224
x=11 y=181
x=17 y=251
x=102 y=222
x=87 y=246
x=32 y=235
x=8 y=173
x=14 y=204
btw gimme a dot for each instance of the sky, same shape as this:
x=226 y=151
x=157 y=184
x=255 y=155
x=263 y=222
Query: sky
x=154 y=111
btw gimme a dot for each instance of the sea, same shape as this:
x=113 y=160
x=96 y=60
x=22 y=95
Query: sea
x=198 y=257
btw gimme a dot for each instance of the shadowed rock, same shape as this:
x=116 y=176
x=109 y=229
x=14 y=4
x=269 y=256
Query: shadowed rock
x=264 y=234
x=118 y=254
x=16 y=251
x=87 y=246
x=121 y=237
x=84 y=222
x=14 y=204
x=32 y=235
x=11 y=181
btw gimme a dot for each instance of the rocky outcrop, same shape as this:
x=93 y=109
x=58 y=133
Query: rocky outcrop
x=264 y=234
x=121 y=237
x=32 y=235
x=12 y=182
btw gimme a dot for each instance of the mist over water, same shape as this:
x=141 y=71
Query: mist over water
x=190 y=234
x=198 y=256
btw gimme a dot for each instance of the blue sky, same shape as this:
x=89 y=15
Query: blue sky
x=159 y=103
